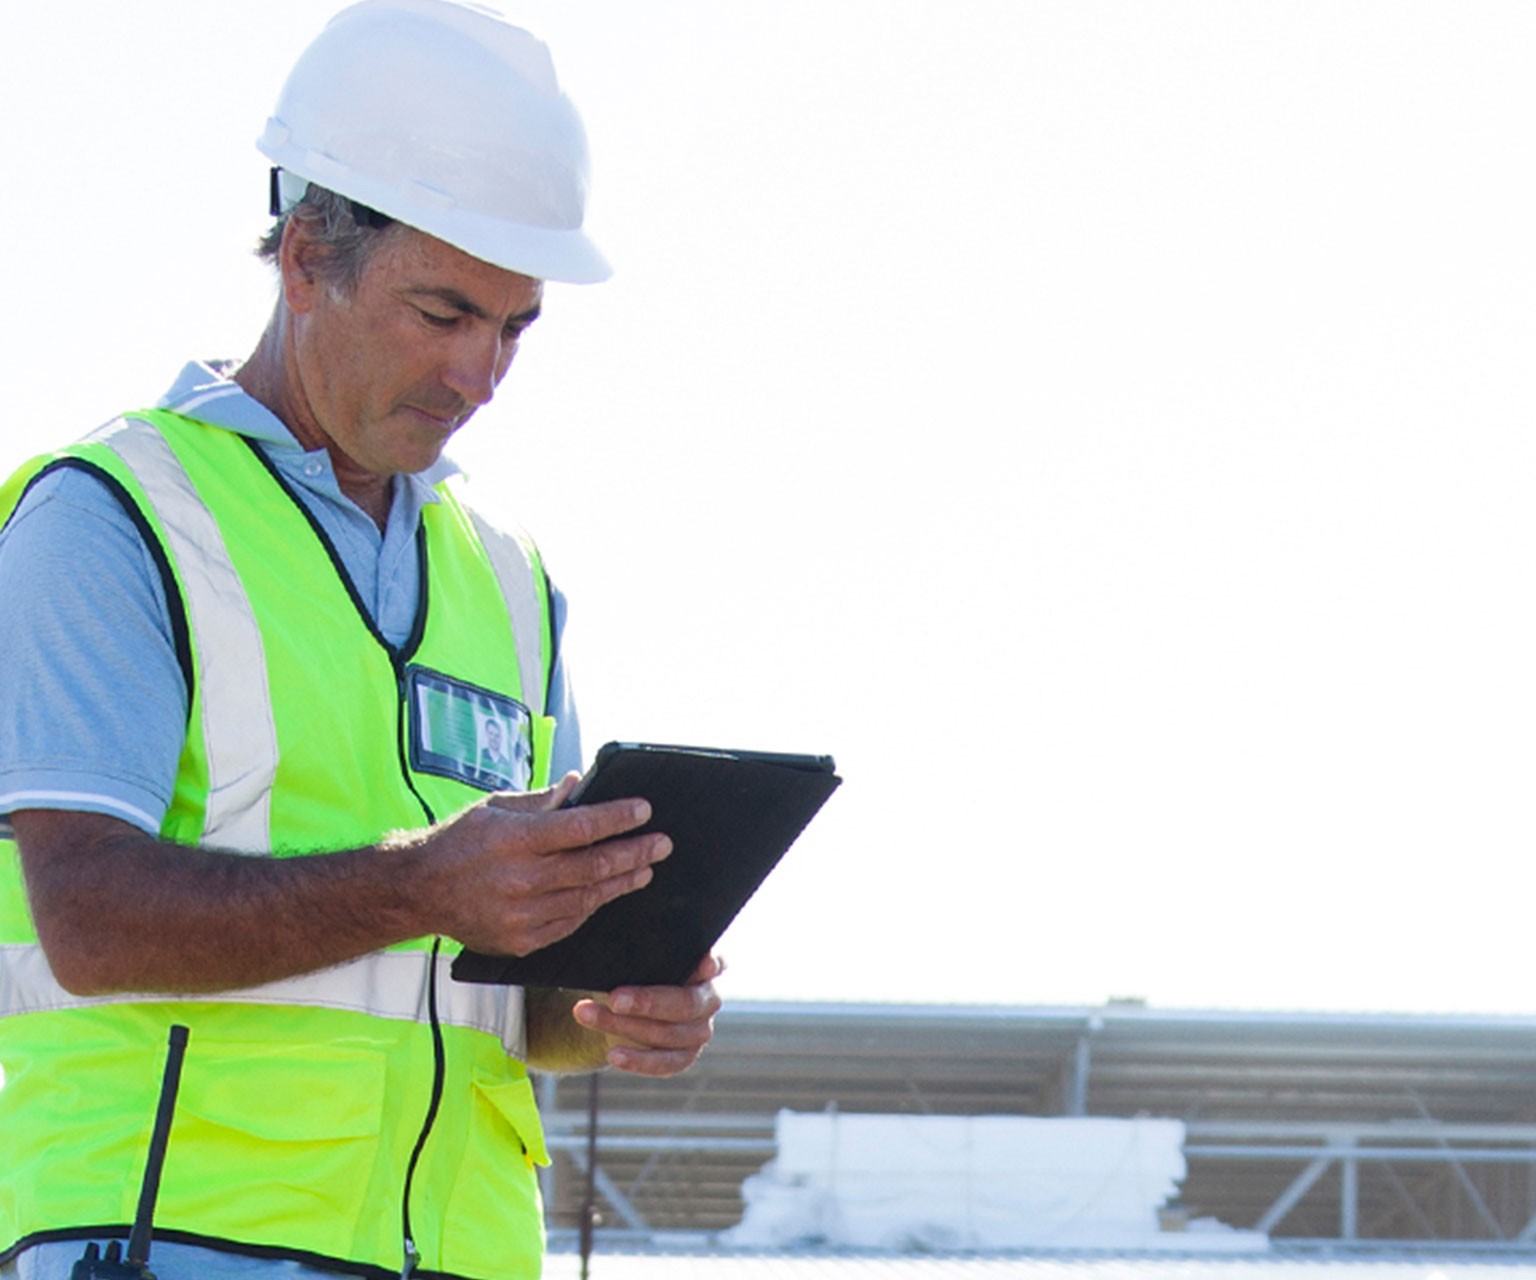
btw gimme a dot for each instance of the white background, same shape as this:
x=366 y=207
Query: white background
x=1103 y=426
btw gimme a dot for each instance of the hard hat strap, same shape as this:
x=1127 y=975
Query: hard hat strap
x=362 y=214
x=366 y=217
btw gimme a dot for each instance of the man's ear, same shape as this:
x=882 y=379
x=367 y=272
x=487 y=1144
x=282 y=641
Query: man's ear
x=296 y=260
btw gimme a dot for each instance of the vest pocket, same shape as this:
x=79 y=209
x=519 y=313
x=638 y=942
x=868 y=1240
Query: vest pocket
x=511 y=1103
x=495 y=1217
x=276 y=1144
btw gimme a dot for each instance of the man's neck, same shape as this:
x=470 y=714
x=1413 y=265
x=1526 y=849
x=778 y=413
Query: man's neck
x=267 y=377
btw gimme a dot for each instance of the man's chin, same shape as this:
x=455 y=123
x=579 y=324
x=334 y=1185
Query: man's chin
x=422 y=450
x=423 y=460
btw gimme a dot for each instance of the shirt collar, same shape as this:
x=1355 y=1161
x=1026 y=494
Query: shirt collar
x=203 y=390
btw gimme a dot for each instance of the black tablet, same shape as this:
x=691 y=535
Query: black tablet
x=731 y=816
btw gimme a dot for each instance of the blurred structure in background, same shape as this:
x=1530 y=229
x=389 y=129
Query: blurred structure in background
x=1356 y=1133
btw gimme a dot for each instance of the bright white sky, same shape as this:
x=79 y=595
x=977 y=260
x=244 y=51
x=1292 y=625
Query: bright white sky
x=1103 y=426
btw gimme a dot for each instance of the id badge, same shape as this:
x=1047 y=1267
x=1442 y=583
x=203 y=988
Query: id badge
x=459 y=730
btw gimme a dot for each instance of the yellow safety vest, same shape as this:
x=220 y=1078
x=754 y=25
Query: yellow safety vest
x=352 y=1116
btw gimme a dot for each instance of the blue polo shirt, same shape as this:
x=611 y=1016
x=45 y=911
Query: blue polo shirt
x=94 y=703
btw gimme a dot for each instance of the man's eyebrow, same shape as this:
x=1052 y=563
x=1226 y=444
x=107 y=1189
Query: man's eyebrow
x=456 y=300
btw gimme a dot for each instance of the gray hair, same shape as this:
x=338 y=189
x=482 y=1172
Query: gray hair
x=348 y=235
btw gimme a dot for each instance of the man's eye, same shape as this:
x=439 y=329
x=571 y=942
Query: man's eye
x=437 y=321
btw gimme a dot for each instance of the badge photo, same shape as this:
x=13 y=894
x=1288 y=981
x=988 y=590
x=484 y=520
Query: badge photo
x=463 y=731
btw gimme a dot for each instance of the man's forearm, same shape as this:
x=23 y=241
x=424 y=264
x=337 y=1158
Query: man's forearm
x=556 y=1041
x=118 y=910
x=127 y=912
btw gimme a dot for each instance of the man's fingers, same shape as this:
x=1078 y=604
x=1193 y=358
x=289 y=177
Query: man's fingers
x=536 y=876
x=559 y=913
x=652 y=1062
x=543 y=801
x=590 y=824
x=646 y=1035
x=656 y=1031
x=564 y=911
x=665 y=1004
x=581 y=869
x=561 y=791
x=571 y=847
x=649 y=1046
x=658 y=1017
x=578 y=825
x=710 y=968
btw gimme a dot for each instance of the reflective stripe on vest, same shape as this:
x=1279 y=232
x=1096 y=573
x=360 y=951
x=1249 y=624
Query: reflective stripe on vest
x=238 y=732
x=515 y=567
x=387 y=984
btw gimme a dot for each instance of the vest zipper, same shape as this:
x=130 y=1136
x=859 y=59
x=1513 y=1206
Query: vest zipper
x=412 y=1255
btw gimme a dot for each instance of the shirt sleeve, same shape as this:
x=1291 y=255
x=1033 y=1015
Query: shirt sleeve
x=565 y=755
x=95 y=700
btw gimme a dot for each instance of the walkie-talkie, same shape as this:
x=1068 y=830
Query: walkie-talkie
x=113 y=1266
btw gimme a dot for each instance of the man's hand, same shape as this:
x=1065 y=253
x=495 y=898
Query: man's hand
x=517 y=872
x=656 y=1031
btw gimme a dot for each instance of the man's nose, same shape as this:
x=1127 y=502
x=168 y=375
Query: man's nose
x=477 y=369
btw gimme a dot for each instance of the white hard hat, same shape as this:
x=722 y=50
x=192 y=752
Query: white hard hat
x=448 y=118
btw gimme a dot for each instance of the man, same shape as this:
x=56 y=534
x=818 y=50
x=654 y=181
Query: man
x=495 y=768
x=260 y=595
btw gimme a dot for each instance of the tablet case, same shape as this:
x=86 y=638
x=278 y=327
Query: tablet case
x=731 y=816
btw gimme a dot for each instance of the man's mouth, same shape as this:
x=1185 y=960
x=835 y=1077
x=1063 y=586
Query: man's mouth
x=448 y=420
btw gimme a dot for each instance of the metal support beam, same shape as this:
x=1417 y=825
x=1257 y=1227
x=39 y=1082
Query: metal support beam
x=547 y=1088
x=1479 y=1205
x=573 y=1143
x=621 y=1203
x=1349 y=1200
x=668 y=1122
x=1420 y=1218
x=1291 y=1196
x=1464 y=1178
x=1402 y=1155
x=1074 y=1090
x=1391 y=1131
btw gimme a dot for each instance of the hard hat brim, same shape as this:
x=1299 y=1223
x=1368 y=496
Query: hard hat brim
x=563 y=255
